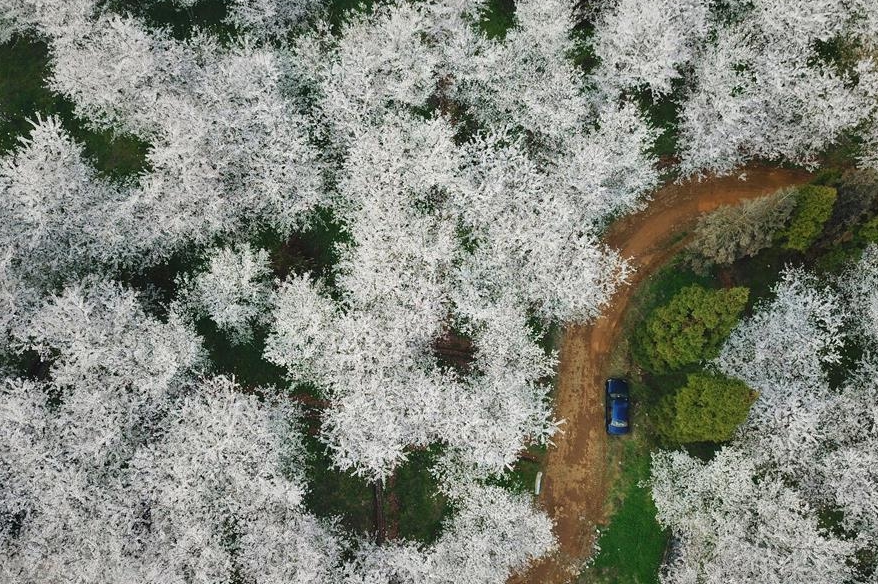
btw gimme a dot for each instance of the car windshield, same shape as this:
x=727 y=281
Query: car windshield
x=619 y=424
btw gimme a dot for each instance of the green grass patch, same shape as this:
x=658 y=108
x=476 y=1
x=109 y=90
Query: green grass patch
x=314 y=250
x=341 y=12
x=421 y=507
x=180 y=21
x=521 y=479
x=243 y=361
x=24 y=68
x=335 y=494
x=667 y=283
x=837 y=259
x=158 y=282
x=663 y=114
x=761 y=272
x=583 y=55
x=497 y=17
x=633 y=544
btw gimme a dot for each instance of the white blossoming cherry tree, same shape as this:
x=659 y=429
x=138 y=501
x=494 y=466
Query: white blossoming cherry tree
x=233 y=290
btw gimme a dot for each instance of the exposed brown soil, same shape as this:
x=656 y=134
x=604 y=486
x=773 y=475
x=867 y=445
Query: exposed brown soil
x=454 y=350
x=576 y=474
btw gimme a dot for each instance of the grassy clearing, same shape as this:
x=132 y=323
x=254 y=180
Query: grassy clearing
x=314 y=251
x=760 y=272
x=663 y=114
x=632 y=545
x=23 y=67
x=336 y=494
x=342 y=11
x=181 y=22
x=243 y=361
x=523 y=475
x=421 y=507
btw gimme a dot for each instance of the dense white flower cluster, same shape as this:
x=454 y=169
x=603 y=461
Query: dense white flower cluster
x=755 y=78
x=443 y=232
x=472 y=233
x=233 y=290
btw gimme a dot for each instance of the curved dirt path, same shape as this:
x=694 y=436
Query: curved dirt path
x=576 y=473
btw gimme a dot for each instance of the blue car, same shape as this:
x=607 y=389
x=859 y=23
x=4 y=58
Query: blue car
x=617 y=407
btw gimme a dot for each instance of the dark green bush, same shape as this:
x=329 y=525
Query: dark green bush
x=813 y=209
x=709 y=408
x=869 y=231
x=857 y=202
x=690 y=328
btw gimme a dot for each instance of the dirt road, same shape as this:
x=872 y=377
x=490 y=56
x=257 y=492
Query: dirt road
x=576 y=476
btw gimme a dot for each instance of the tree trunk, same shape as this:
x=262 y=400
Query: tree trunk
x=378 y=502
x=525 y=455
x=392 y=508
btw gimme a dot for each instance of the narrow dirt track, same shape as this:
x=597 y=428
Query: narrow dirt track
x=576 y=476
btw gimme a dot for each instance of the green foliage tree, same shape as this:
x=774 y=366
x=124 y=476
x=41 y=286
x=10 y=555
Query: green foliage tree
x=813 y=209
x=736 y=231
x=709 y=408
x=690 y=328
x=856 y=204
x=869 y=231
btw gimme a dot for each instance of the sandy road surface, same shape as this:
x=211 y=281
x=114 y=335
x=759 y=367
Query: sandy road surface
x=576 y=476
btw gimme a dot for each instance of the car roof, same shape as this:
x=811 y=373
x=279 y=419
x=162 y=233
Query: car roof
x=618 y=413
